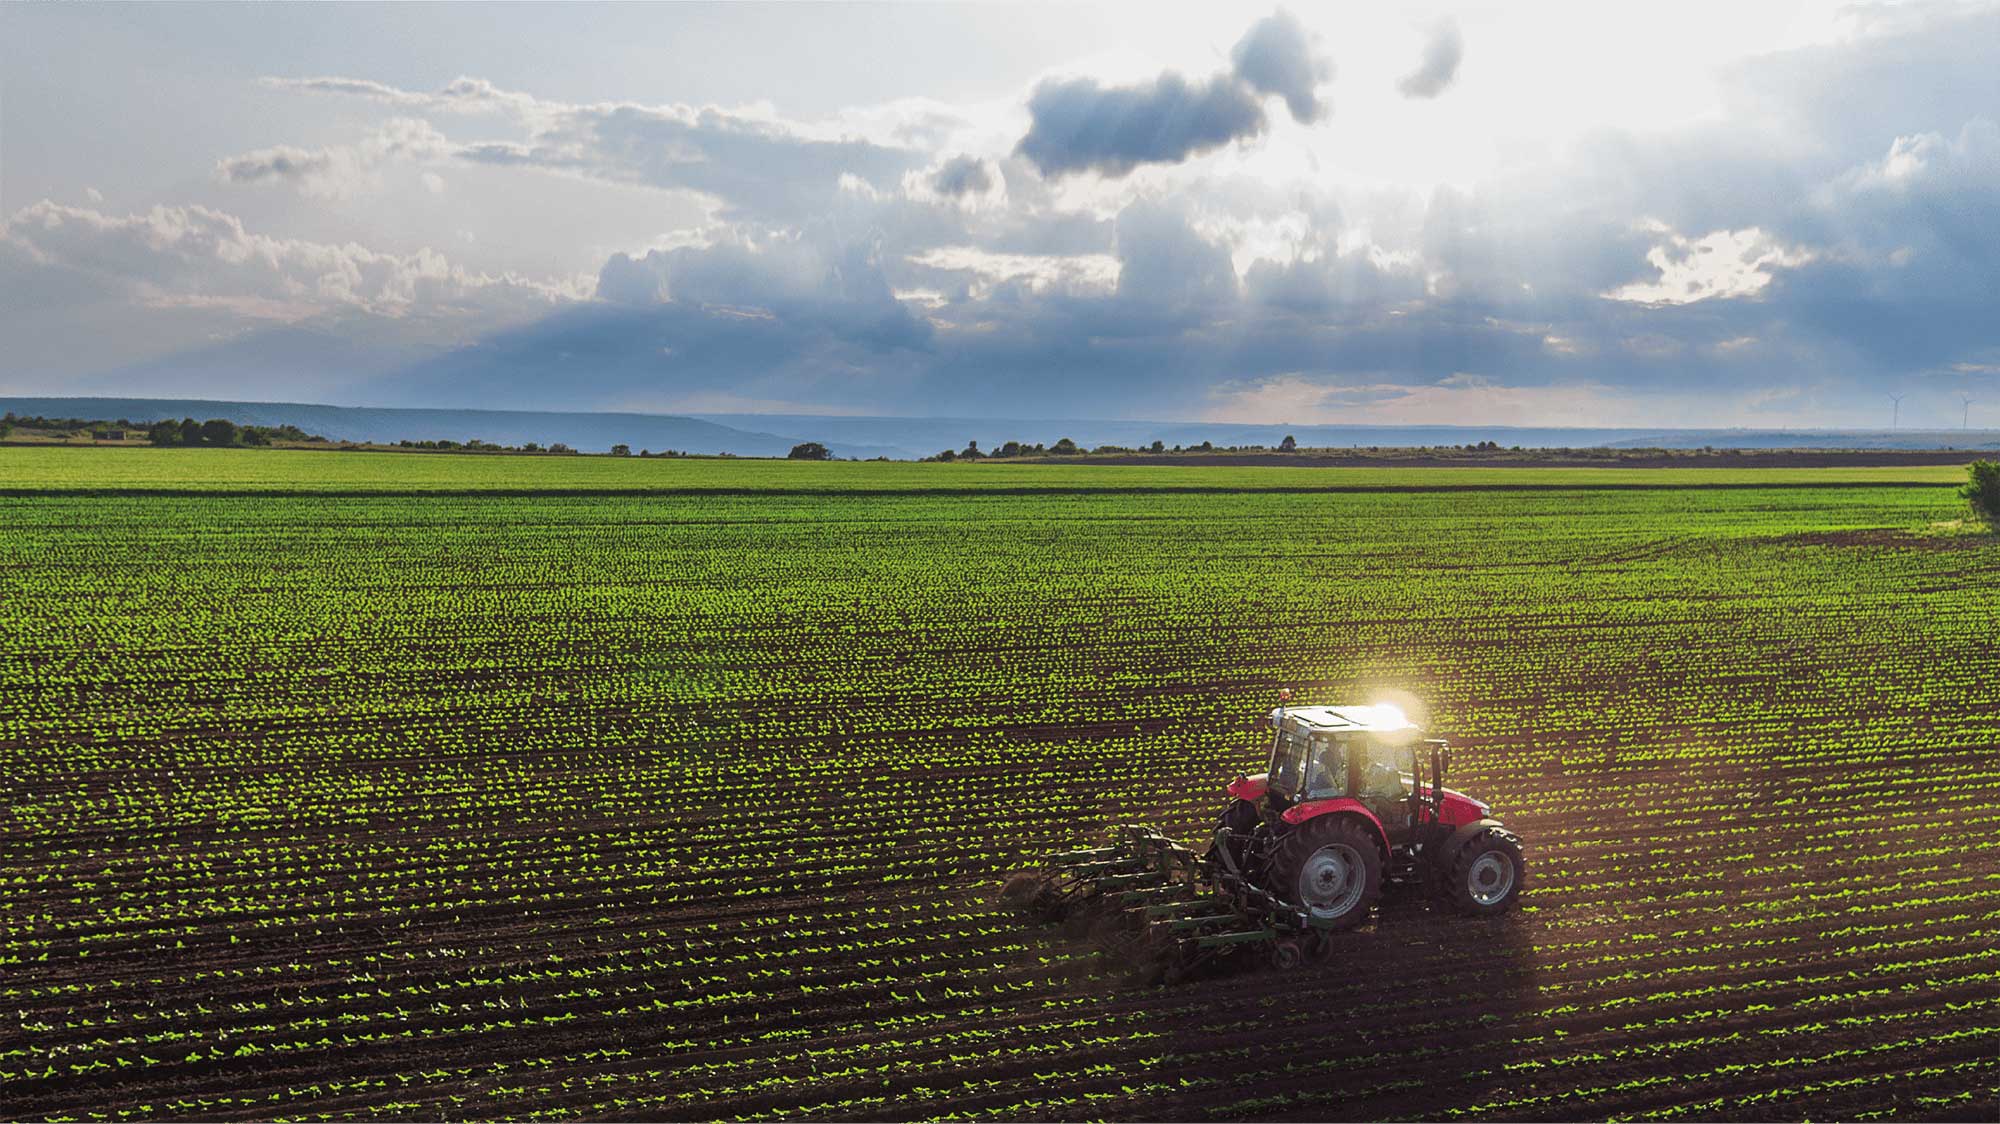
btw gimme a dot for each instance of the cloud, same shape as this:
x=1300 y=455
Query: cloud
x=1439 y=66
x=753 y=166
x=1079 y=124
x=1277 y=56
x=196 y=257
x=816 y=284
x=963 y=175
x=338 y=170
x=460 y=95
x=1165 y=266
x=973 y=273
x=1724 y=263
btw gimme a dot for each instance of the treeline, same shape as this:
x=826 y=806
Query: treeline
x=556 y=448
x=187 y=431
x=95 y=427
x=220 y=433
x=1064 y=447
x=1068 y=448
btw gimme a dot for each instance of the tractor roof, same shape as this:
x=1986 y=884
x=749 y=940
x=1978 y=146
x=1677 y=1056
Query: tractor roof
x=1368 y=719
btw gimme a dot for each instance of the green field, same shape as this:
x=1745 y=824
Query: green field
x=349 y=785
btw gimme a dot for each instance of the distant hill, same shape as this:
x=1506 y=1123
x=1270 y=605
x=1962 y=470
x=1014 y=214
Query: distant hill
x=763 y=435
x=585 y=431
x=921 y=437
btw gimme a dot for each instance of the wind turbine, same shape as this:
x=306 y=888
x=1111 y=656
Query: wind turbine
x=1896 y=414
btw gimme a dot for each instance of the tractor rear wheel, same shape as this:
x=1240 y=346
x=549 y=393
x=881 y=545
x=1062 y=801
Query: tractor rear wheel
x=1486 y=874
x=1332 y=868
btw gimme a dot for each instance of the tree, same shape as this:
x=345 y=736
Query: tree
x=621 y=450
x=190 y=431
x=1289 y=444
x=1982 y=491
x=809 y=451
x=1157 y=447
x=164 y=433
x=1064 y=448
x=218 y=431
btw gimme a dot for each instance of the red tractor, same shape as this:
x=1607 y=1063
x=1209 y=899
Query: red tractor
x=1302 y=851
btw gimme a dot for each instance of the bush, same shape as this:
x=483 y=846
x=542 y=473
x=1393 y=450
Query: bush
x=809 y=451
x=621 y=450
x=1982 y=491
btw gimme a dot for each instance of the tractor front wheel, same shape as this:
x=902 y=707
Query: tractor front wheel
x=1486 y=874
x=1332 y=868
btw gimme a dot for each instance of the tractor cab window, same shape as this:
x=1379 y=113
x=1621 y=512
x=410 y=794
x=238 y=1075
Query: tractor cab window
x=1382 y=773
x=1329 y=767
x=1288 y=763
x=1309 y=767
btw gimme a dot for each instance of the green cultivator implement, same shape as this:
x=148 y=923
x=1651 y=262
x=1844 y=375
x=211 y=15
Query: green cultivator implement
x=1300 y=853
x=1163 y=908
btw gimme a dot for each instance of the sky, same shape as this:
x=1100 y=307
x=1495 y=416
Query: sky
x=1696 y=214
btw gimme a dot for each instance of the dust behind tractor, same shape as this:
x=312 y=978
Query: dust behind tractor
x=1353 y=801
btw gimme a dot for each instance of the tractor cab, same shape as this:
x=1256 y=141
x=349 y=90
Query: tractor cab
x=1327 y=752
x=1365 y=759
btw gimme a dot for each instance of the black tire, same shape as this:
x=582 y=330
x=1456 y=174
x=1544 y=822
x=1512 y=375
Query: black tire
x=1332 y=868
x=1486 y=874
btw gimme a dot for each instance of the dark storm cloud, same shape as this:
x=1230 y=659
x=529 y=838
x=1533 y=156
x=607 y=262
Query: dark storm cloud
x=962 y=175
x=1079 y=124
x=1277 y=57
x=806 y=284
x=1439 y=65
x=1167 y=266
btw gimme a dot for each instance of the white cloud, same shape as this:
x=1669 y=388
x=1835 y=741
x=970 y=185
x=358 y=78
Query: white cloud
x=341 y=169
x=751 y=160
x=195 y=257
x=1039 y=272
x=1722 y=263
x=1442 y=53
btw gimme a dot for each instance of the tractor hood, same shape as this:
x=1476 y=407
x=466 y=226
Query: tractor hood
x=1458 y=808
x=1252 y=787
